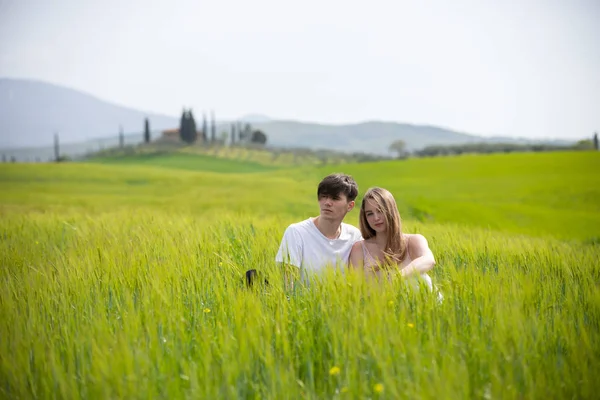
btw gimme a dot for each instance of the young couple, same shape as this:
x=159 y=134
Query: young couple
x=378 y=247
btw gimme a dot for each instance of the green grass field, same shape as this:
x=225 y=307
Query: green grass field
x=187 y=161
x=123 y=279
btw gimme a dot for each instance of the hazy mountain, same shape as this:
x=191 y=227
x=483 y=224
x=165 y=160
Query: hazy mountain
x=31 y=111
x=255 y=118
x=368 y=137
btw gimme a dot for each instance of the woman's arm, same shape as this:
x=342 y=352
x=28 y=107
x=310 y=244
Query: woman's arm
x=356 y=259
x=423 y=259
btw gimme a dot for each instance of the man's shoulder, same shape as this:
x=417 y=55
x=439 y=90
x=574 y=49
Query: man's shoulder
x=352 y=230
x=300 y=224
x=300 y=227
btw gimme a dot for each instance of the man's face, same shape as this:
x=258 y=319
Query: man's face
x=334 y=207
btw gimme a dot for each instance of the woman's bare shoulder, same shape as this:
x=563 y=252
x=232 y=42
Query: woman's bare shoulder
x=358 y=245
x=415 y=239
x=356 y=254
x=417 y=236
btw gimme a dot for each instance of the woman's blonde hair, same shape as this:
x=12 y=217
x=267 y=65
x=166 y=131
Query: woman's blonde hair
x=395 y=248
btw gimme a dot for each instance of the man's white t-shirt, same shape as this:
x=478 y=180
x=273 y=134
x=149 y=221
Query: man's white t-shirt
x=304 y=246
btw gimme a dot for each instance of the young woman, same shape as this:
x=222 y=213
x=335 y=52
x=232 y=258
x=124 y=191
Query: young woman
x=385 y=249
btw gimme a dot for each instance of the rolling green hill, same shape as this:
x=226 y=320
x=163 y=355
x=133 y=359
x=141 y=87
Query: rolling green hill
x=553 y=194
x=187 y=161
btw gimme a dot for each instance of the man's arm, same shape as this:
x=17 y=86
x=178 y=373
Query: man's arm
x=423 y=259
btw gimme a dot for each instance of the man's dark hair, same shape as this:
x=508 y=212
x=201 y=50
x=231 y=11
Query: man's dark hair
x=336 y=184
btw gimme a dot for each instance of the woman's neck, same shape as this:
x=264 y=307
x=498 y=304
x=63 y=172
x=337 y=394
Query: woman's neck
x=380 y=240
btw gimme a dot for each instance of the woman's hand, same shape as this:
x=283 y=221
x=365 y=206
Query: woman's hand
x=423 y=259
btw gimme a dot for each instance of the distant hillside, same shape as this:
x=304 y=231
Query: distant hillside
x=31 y=111
x=368 y=137
x=373 y=137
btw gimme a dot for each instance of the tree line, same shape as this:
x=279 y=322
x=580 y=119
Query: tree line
x=189 y=134
x=399 y=147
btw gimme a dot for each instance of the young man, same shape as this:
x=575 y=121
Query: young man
x=324 y=241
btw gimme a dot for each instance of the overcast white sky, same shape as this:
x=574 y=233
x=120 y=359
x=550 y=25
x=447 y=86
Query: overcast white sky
x=517 y=68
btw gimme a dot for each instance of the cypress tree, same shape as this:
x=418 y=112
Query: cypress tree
x=183 y=126
x=187 y=130
x=192 y=132
x=121 y=137
x=56 y=148
x=213 y=129
x=204 y=128
x=146 y=131
x=248 y=132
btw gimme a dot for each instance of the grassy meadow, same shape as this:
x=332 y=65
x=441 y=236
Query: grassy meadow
x=122 y=278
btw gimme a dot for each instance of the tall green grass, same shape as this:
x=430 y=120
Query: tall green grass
x=150 y=305
x=126 y=281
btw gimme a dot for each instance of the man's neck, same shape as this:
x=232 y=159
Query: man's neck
x=330 y=229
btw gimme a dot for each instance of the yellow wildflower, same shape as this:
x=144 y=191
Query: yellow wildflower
x=411 y=325
x=378 y=388
x=334 y=371
x=206 y=310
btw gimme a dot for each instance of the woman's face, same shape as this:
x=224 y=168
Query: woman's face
x=375 y=218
